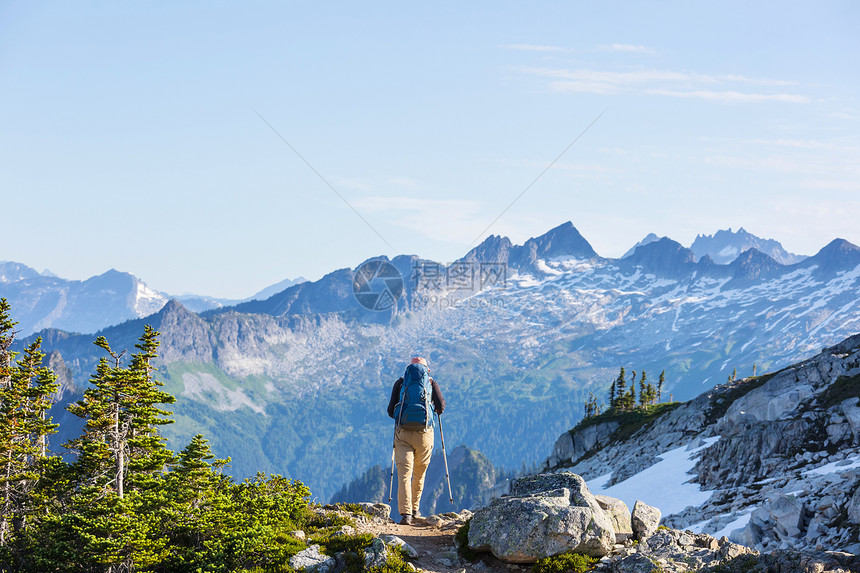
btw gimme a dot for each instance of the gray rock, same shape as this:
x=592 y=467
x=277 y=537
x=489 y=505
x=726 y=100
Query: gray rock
x=312 y=561
x=619 y=513
x=381 y=510
x=376 y=555
x=394 y=541
x=543 y=518
x=298 y=534
x=854 y=507
x=787 y=513
x=636 y=563
x=644 y=519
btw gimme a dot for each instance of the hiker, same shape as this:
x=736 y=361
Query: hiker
x=414 y=398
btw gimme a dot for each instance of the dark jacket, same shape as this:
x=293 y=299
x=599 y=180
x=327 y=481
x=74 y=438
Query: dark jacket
x=438 y=400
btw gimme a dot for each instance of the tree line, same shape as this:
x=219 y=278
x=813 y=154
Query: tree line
x=623 y=398
x=126 y=502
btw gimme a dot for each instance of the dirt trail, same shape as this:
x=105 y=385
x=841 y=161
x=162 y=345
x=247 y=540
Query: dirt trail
x=434 y=545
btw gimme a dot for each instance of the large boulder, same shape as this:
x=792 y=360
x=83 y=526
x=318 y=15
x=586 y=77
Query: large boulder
x=787 y=513
x=312 y=561
x=644 y=519
x=854 y=507
x=545 y=515
x=619 y=513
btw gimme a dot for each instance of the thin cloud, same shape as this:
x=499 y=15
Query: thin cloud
x=664 y=83
x=626 y=48
x=733 y=96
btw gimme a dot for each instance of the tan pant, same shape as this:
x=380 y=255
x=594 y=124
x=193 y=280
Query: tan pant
x=412 y=452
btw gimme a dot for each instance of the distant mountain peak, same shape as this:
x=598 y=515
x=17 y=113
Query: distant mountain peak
x=663 y=256
x=726 y=245
x=561 y=241
x=649 y=238
x=753 y=264
x=837 y=255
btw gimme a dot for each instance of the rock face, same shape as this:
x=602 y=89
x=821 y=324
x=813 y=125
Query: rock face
x=545 y=515
x=644 y=519
x=312 y=561
x=574 y=444
x=619 y=513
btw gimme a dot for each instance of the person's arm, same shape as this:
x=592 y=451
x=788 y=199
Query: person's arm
x=395 y=397
x=438 y=400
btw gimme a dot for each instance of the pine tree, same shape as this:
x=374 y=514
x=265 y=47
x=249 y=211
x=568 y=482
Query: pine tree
x=26 y=391
x=643 y=390
x=121 y=457
x=754 y=367
x=620 y=391
x=612 y=393
x=660 y=382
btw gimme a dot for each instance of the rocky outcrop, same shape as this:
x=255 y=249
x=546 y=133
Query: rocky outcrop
x=644 y=520
x=545 y=515
x=311 y=560
x=572 y=445
x=784 y=472
x=619 y=513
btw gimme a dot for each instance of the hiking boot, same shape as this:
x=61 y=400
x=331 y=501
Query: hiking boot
x=406 y=519
x=416 y=514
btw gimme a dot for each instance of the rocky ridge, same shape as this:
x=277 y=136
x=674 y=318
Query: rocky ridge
x=779 y=455
x=538 y=520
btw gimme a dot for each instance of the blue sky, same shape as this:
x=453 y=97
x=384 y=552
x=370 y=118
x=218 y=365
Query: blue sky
x=131 y=138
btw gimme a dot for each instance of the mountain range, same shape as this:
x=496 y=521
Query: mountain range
x=297 y=383
x=43 y=300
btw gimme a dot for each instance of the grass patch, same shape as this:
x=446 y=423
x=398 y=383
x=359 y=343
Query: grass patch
x=845 y=387
x=354 y=509
x=565 y=563
x=629 y=422
x=339 y=543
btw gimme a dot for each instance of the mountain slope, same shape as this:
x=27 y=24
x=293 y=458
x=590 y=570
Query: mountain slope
x=772 y=461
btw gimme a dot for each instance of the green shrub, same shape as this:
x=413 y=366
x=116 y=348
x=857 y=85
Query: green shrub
x=340 y=543
x=565 y=563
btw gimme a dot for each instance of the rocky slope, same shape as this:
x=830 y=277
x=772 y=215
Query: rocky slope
x=774 y=461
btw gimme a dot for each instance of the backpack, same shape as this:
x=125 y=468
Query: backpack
x=414 y=411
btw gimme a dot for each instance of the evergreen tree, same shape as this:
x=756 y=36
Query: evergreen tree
x=660 y=382
x=620 y=390
x=612 y=393
x=643 y=390
x=26 y=392
x=118 y=471
x=630 y=401
x=754 y=367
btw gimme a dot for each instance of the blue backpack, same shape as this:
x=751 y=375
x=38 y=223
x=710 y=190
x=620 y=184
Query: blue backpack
x=415 y=409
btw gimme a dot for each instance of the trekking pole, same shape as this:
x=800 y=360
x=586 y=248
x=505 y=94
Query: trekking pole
x=445 y=457
x=391 y=484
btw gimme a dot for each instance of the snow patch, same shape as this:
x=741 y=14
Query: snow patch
x=664 y=485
